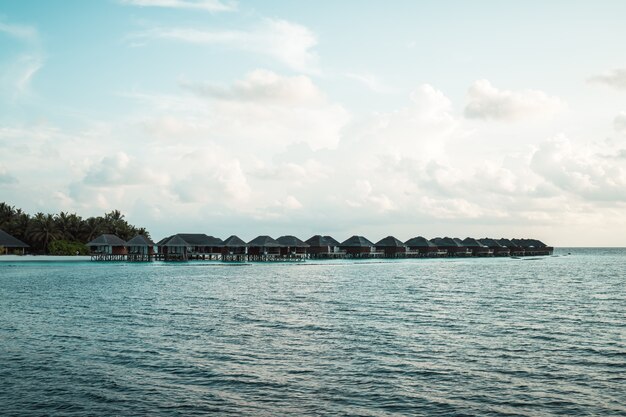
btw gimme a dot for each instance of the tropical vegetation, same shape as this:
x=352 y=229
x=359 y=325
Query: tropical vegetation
x=63 y=233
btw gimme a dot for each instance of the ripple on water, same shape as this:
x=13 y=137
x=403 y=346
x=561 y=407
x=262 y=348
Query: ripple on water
x=474 y=337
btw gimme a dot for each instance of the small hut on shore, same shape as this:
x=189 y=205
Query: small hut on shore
x=263 y=248
x=107 y=247
x=477 y=248
x=8 y=242
x=292 y=247
x=391 y=247
x=234 y=249
x=359 y=247
x=421 y=247
x=140 y=248
x=495 y=246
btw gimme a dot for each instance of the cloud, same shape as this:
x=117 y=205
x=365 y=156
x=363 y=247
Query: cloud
x=371 y=82
x=260 y=114
x=5 y=177
x=287 y=42
x=206 y=5
x=619 y=123
x=489 y=103
x=121 y=169
x=589 y=172
x=262 y=85
x=615 y=78
x=21 y=32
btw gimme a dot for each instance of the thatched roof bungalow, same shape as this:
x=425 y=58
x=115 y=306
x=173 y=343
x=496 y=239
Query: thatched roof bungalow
x=140 y=245
x=422 y=246
x=357 y=246
x=514 y=248
x=107 y=244
x=332 y=241
x=263 y=245
x=452 y=246
x=391 y=247
x=497 y=248
x=8 y=242
x=534 y=246
x=234 y=245
x=292 y=246
x=477 y=248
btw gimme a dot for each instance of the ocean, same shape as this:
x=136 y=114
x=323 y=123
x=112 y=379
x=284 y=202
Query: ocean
x=466 y=337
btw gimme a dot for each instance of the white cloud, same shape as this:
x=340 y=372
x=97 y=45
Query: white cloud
x=287 y=42
x=615 y=78
x=5 y=177
x=21 y=32
x=619 y=123
x=371 y=82
x=489 y=103
x=121 y=169
x=594 y=173
x=262 y=85
x=206 y=5
x=262 y=113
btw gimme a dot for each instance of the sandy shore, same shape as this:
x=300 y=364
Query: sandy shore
x=43 y=258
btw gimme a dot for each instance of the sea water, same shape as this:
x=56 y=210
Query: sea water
x=532 y=336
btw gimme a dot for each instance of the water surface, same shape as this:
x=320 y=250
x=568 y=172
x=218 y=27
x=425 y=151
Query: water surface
x=541 y=336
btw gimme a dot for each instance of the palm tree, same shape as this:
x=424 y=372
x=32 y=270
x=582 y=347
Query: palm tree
x=43 y=229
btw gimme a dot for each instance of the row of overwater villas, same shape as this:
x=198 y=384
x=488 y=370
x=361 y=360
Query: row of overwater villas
x=199 y=246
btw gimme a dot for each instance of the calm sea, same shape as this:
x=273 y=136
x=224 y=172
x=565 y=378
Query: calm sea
x=544 y=336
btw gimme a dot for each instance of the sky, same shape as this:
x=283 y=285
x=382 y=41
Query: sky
x=377 y=118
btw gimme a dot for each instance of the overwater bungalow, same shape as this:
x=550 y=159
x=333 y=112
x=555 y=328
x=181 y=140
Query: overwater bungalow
x=421 y=247
x=234 y=249
x=320 y=247
x=11 y=243
x=175 y=248
x=514 y=248
x=334 y=243
x=359 y=247
x=451 y=246
x=477 y=248
x=107 y=247
x=263 y=248
x=201 y=246
x=495 y=246
x=292 y=247
x=391 y=247
x=140 y=248
x=533 y=246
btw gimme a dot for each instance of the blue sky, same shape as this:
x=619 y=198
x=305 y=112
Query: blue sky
x=405 y=118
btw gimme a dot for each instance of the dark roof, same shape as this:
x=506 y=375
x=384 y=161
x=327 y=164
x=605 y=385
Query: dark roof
x=162 y=241
x=446 y=242
x=470 y=242
x=508 y=243
x=492 y=243
x=140 y=240
x=107 y=240
x=529 y=243
x=176 y=241
x=9 y=241
x=390 y=242
x=331 y=240
x=264 y=241
x=234 y=242
x=317 y=240
x=200 y=239
x=291 y=241
x=420 y=242
x=356 y=241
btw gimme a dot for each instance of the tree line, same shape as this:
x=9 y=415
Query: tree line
x=63 y=233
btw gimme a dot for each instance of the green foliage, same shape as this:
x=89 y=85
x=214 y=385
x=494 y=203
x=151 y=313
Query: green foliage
x=67 y=248
x=41 y=231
